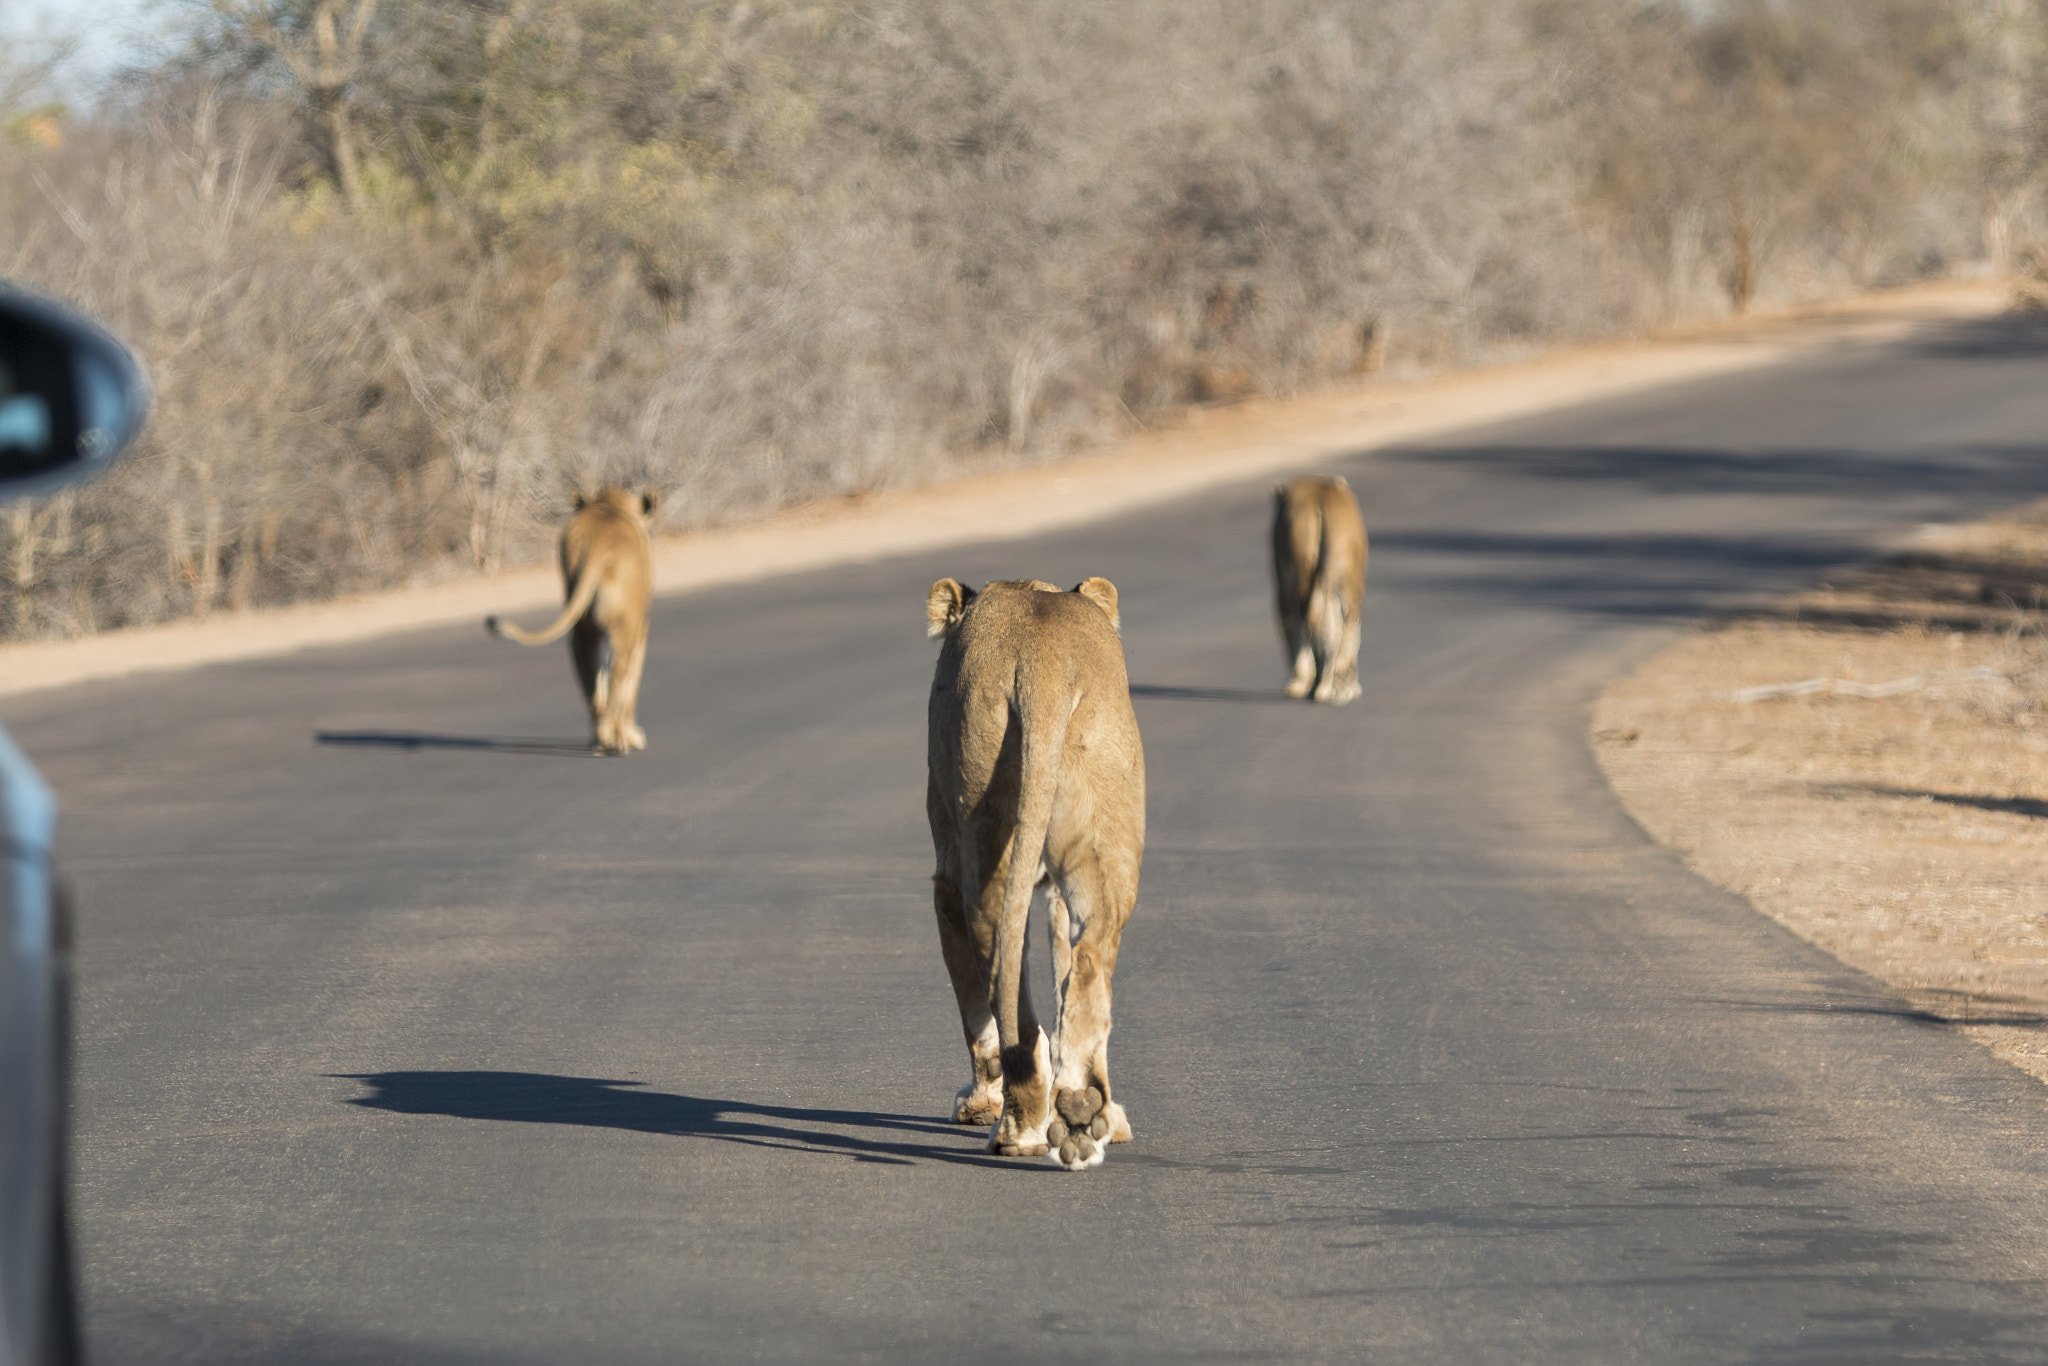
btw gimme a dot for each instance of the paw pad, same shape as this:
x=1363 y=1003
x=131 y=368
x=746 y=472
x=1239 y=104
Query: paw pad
x=1079 y=1128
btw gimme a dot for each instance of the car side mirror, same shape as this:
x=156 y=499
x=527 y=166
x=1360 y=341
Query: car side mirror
x=70 y=395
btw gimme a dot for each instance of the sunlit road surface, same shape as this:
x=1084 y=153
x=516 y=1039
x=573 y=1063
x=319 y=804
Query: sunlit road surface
x=409 y=1033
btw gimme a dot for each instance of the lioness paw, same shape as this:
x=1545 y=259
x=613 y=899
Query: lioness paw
x=1082 y=1128
x=1337 y=693
x=978 y=1103
x=1304 y=676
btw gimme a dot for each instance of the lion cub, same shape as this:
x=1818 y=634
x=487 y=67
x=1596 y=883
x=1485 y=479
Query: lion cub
x=608 y=579
x=1319 y=552
x=1036 y=778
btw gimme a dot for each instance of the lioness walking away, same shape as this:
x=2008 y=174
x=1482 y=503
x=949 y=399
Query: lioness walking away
x=608 y=579
x=1319 y=577
x=1037 y=777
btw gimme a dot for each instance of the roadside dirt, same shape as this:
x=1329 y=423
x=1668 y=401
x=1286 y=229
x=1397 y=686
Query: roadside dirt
x=1867 y=762
x=1213 y=446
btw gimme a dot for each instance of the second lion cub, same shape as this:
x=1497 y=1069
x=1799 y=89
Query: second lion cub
x=608 y=579
x=1319 y=552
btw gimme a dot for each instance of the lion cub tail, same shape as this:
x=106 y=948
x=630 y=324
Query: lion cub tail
x=579 y=603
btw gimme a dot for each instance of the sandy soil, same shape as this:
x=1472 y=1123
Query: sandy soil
x=1213 y=446
x=1903 y=828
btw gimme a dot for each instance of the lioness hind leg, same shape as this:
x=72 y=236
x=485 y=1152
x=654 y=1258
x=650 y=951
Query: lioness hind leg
x=1337 y=677
x=1027 y=1075
x=605 y=737
x=1072 y=1074
x=1290 y=595
x=623 y=696
x=1304 y=676
x=1344 y=672
x=1300 y=653
x=980 y=1101
x=1086 y=1118
x=1027 y=1079
x=587 y=654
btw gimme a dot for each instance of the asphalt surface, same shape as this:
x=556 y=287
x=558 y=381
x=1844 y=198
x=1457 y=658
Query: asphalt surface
x=410 y=1033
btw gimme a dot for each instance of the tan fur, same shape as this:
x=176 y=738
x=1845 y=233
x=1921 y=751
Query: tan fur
x=1319 y=551
x=608 y=581
x=1037 y=777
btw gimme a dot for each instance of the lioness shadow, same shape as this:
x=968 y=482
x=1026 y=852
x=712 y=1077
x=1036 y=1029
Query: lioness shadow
x=599 y=1103
x=413 y=741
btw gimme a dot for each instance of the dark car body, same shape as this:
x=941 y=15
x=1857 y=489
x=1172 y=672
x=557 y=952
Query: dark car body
x=70 y=398
x=36 y=1304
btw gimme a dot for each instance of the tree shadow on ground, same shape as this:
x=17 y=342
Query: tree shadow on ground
x=1868 y=617
x=1969 y=1010
x=1875 y=477
x=1661 y=575
x=2011 y=806
x=412 y=741
x=600 y=1103
x=2016 y=335
x=1642 y=576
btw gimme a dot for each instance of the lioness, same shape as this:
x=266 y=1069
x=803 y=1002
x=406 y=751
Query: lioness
x=608 y=579
x=1319 y=551
x=1036 y=778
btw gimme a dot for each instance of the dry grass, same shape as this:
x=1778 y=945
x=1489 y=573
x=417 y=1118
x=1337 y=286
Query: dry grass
x=1906 y=834
x=401 y=297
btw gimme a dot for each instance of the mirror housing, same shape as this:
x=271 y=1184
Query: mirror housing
x=70 y=395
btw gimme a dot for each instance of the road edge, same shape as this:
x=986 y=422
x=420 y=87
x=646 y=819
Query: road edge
x=1926 y=697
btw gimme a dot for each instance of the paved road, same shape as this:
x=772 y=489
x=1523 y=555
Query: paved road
x=410 y=1035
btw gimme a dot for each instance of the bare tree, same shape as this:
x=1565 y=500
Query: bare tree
x=755 y=251
x=323 y=51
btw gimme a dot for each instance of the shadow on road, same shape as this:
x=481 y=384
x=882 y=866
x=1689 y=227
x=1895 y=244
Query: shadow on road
x=1647 y=576
x=1866 y=476
x=2009 y=336
x=1657 y=575
x=413 y=741
x=597 y=1103
x=1170 y=691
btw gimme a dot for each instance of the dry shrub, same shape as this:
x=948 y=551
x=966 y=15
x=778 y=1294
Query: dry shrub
x=756 y=253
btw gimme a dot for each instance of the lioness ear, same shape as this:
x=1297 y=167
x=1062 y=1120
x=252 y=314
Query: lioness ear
x=647 y=502
x=945 y=605
x=1102 y=593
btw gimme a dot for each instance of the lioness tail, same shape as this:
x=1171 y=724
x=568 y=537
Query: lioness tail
x=579 y=603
